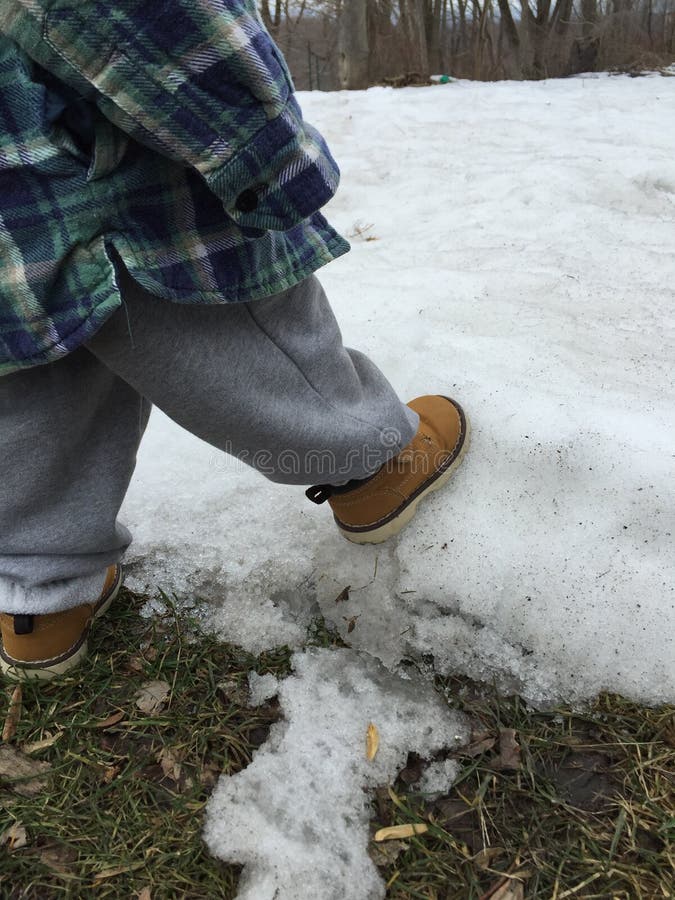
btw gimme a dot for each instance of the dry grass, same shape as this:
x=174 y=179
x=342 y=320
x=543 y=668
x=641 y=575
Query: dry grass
x=586 y=811
x=589 y=810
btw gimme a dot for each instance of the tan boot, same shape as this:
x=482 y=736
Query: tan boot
x=372 y=510
x=47 y=646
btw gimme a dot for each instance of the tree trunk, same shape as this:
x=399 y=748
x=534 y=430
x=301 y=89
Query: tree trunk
x=434 y=14
x=511 y=31
x=537 y=28
x=353 y=49
x=462 y=43
x=413 y=20
x=589 y=17
x=271 y=20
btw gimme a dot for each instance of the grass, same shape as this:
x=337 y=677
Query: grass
x=587 y=811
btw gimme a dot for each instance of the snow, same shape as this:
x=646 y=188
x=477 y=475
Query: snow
x=438 y=778
x=298 y=817
x=524 y=263
x=514 y=248
x=261 y=688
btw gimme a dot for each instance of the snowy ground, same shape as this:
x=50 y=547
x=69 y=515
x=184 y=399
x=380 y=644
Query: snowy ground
x=522 y=258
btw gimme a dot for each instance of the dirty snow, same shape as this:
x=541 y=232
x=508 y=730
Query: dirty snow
x=298 y=817
x=438 y=778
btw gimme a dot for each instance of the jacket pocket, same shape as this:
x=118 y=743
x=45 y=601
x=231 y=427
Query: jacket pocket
x=75 y=125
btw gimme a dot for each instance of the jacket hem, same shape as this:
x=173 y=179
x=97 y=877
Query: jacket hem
x=67 y=343
x=332 y=249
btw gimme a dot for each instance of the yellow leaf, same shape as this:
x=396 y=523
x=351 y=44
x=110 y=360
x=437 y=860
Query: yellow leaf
x=372 y=741
x=396 y=832
x=13 y=715
x=117 y=870
x=14 y=837
x=113 y=719
x=43 y=744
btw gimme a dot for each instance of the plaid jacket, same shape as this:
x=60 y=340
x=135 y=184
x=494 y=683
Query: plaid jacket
x=164 y=130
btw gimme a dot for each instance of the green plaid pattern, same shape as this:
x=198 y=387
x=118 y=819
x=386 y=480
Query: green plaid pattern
x=165 y=131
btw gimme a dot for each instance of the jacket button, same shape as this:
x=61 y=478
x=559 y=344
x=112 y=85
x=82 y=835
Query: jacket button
x=247 y=202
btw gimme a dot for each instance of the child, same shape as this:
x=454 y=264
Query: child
x=159 y=231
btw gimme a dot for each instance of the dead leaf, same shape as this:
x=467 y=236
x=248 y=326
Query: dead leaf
x=372 y=742
x=413 y=770
x=343 y=596
x=209 y=775
x=13 y=714
x=484 y=857
x=461 y=820
x=110 y=773
x=14 y=837
x=510 y=890
x=135 y=664
x=57 y=857
x=509 y=751
x=478 y=747
x=170 y=772
x=351 y=623
x=144 y=894
x=48 y=741
x=386 y=853
x=396 y=832
x=152 y=697
x=169 y=762
x=117 y=870
x=111 y=720
x=31 y=773
x=236 y=691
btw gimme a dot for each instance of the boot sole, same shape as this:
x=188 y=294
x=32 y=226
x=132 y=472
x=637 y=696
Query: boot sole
x=19 y=672
x=395 y=525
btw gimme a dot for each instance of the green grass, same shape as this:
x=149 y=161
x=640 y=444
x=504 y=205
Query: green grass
x=589 y=813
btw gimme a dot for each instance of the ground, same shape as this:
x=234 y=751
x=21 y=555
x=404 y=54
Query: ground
x=585 y=809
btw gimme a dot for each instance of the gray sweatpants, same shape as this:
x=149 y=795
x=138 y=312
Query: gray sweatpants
x=268 y=381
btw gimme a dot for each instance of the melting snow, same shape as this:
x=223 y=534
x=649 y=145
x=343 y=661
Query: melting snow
x=514 y=247
x=298 y=817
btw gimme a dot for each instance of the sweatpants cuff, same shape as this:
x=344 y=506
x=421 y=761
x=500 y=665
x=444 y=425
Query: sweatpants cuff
x=55 y=596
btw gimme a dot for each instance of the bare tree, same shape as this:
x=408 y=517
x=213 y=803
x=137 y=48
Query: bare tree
x=355 y=43
x=353 y=47
x=271 y=19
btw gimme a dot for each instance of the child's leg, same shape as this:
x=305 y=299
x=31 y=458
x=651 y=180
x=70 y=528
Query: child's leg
x=269 y=381
x=69 y=432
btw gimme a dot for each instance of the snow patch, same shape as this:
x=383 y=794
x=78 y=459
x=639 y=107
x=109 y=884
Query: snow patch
x=298 y=817
x=262 y=688
x=438 y=778
x=524 y=264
